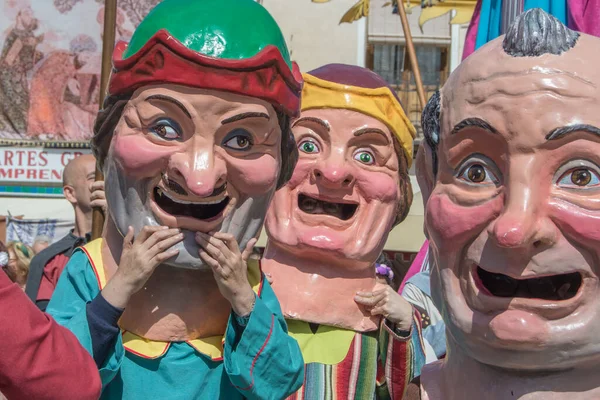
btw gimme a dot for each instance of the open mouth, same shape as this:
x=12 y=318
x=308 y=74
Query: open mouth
x=310 y=205
x=556 y=287
x=200 y=210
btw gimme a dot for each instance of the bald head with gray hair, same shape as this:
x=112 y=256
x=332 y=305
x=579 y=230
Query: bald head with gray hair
x=508 y=163
x=533 y=34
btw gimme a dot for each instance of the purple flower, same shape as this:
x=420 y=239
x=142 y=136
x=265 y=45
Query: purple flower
x=384 y=270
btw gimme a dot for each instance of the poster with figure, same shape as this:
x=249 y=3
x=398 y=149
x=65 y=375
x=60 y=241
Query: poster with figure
x=50 y=64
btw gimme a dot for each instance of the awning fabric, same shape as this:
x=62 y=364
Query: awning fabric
x=430 y=9
x=433 y=9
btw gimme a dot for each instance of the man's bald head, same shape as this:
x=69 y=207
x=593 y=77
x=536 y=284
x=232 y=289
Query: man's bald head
x=77 y=178
x=514 y=135
x=78 y=166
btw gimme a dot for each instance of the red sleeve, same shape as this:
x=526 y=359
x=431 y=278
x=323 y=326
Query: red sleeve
x=52 y=272
x=40 y=359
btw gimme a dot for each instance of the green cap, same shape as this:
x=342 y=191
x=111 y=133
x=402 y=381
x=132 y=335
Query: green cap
x=225 y=29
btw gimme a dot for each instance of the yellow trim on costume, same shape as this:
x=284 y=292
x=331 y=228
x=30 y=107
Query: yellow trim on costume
x=255 y=275
x=378 y=103
x=329 y=345
x=210 y=346
x=143 y=347
x=94 y=252
x=152 y=349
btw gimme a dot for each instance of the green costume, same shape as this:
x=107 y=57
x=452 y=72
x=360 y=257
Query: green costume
x=259 y=361
x=232 y=46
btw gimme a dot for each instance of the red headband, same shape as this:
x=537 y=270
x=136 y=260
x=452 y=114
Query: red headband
x=163 y=59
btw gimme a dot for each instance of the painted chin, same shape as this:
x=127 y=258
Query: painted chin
x=520 y=312
x=188 y=212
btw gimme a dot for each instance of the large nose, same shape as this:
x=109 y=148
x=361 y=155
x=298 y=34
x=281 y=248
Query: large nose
x=524 y=222
x=334 y=172
x=197 y=168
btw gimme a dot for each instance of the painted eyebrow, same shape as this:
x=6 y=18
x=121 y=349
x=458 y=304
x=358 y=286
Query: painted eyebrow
x=245 y=115
x=170 y=100
x=364 y=131
x=565 y=130
x=317 y=121
x=476 y=122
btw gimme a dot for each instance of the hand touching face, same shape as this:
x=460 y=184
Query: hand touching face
x=193 y=159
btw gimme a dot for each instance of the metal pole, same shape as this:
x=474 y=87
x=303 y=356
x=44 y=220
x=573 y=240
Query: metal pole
x=108 y=45
x=412 y=55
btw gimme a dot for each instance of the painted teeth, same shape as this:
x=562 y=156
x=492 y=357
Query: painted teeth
x=163 y=193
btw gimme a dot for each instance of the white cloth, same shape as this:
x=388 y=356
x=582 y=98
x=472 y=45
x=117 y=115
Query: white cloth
x=26 y=230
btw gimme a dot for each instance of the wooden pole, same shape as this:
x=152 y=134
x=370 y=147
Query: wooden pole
x=108 y=45
x=412 y=55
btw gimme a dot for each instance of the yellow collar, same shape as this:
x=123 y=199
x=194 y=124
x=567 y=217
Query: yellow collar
x=329 y=345
x=151 y=349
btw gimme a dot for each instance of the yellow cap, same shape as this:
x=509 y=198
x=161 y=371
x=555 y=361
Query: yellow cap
x=378 y=103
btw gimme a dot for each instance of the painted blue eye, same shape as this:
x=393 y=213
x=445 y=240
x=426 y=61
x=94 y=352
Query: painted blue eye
x=579 y=178
x=477 y=173
x=166 y=129
x=238 y=139
x=309 y=147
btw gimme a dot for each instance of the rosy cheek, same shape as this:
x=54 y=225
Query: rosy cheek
x=253 y=177
x=452 y=225
x=139 y=156
x=582 y=225
x=377 y=186
x=301 y=172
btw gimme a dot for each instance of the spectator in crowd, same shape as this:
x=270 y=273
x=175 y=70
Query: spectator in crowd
x=412 y=293
x=40 y=243
x=19 y=258
x=40 y=359
x=416 y=290
x=46 y=267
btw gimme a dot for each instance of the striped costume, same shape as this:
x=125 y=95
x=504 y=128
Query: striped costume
x=375 y=365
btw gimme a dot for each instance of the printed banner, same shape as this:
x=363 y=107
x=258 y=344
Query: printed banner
x=37 y=165
x=50 y=65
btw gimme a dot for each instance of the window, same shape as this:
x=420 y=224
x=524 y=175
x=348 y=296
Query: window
x=391 y=61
